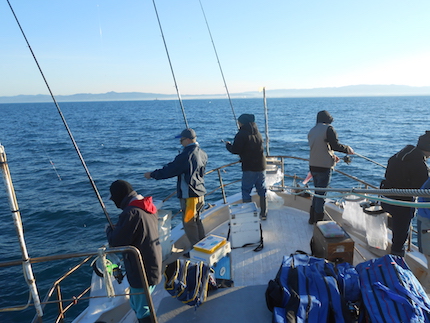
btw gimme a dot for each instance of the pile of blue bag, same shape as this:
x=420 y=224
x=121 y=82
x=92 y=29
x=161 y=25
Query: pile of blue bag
x=311 y=289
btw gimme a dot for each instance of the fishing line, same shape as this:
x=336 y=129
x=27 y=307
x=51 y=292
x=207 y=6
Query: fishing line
x=220 y=68
x=39 y=143
x=171 y=67
x=64 y=121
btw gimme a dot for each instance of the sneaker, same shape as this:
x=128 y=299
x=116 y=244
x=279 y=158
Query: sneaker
x=264 y=217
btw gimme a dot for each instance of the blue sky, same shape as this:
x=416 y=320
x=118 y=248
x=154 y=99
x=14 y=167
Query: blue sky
x=86 y=46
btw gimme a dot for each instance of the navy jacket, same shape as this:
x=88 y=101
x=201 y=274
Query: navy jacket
x=190 y=167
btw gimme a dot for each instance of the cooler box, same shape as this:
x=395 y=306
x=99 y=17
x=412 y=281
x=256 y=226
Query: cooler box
x=210 y=249
x=244 y=224
x=222 y=269
x=330 y=241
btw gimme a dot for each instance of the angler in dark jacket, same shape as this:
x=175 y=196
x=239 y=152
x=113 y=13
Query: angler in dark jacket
x=405 y=169
x=137 y=226
x=248 y=144
x=189 y=167
x=323 y=142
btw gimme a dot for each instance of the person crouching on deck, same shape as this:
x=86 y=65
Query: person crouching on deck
x=137 y=226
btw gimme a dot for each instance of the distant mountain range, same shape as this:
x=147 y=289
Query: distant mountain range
x=344 y=91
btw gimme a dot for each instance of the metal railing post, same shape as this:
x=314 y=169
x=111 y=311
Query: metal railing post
x=222 y=186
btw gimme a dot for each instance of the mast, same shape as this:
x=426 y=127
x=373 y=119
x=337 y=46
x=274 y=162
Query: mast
x=13 y=203
x=266 y=117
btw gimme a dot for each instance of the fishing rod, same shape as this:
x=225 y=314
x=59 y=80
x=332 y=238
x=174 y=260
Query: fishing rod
x=220 y=68
x=171 y=67
x=364 y=157
x=64 y=121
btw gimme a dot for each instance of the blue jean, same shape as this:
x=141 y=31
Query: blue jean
x=251 y=179
x=321 y=179
x=138 y=302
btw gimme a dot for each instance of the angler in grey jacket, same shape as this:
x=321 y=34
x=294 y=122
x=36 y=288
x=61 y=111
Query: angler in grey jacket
x=189 y=167
x=323 y=142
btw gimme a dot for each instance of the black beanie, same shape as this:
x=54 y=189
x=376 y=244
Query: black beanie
x=119 y=190
x=424 y=141
x=324 y=117
x=246 y=118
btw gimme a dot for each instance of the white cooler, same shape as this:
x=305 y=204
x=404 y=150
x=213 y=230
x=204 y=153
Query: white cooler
x=244 y=224
x=210 y=249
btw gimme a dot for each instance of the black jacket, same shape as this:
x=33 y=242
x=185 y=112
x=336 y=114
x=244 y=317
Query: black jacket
x=406 y=169
x=248 y=144
x=138 y=226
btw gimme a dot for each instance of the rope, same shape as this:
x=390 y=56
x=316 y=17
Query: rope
x=361 y=193
x=64 y=122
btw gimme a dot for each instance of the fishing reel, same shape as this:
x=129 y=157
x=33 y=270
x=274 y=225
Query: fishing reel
x=113 y=267
x=347 y=159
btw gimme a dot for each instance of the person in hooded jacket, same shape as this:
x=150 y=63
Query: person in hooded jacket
x=423 y=227
x=189 y=167
x=137 y=226
x=405 y=169
x=323 y=142
x=248 y=144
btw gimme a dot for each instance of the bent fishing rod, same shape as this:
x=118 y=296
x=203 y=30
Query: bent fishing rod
x=220 y=68
x=171 y=66
x=75 y=145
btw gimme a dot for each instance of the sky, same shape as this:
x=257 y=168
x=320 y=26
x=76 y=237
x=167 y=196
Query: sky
x=86 y=46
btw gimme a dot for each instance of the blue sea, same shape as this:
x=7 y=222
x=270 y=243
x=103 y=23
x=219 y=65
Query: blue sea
x=123 y=140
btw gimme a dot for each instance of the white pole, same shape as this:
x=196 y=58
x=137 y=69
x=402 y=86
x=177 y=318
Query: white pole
x=13 y=204
x=266 y=117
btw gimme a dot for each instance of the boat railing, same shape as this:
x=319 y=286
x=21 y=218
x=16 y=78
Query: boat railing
x=65 y=304
x=278 y=160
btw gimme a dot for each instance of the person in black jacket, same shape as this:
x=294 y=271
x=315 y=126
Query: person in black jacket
x=189 y=167
x=405 y=169
x=137 y=226
x=248 y=144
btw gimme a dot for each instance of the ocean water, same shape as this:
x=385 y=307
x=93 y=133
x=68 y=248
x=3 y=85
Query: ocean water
x=123 y=140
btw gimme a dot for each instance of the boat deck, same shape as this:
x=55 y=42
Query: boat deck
x=285 y=231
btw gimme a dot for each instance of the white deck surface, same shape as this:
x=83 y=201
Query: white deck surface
x=285 y=231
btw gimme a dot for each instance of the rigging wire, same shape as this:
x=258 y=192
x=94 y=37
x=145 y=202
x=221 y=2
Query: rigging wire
x=220 y=68
x=64 y=121
x=171 y=67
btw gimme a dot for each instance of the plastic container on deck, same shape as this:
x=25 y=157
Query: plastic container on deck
x=376 y=225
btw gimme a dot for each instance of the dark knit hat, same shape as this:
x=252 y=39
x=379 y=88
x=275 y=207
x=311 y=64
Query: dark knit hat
x=424 y=141
x=324 y=117
x=187 y=133
x=119 y=190
x=246 y=118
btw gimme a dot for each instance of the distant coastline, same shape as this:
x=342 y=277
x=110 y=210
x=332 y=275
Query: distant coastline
x=344 y=91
